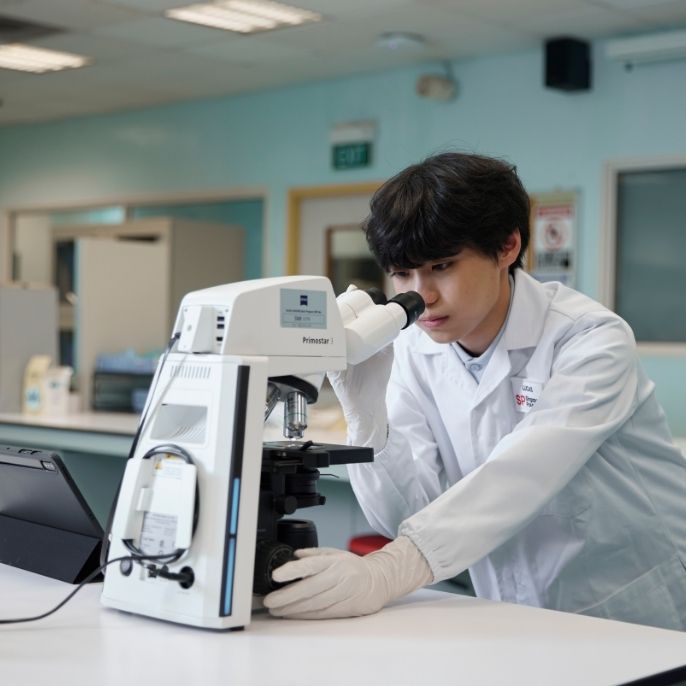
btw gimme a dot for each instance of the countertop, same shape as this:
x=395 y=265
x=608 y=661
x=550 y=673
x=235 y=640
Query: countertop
x=428 y=637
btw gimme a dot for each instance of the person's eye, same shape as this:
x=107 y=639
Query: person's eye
x=441 y=266
x=398 y=274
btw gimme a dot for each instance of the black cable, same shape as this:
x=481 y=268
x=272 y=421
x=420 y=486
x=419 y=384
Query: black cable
x=88 y=579
x=177 y=451
x=175 y=337
x=105 y=547
x=137 y=555
x=185 y=577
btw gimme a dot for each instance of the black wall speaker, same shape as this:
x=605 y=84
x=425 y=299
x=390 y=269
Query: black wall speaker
x=568 y=64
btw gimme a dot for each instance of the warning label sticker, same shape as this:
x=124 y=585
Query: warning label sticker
x=158 y=535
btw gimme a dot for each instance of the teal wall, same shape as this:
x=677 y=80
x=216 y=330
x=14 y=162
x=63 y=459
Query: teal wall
x=98 y=215
x=279 y=138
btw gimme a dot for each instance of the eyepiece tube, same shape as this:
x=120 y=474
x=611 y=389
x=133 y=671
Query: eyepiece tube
x=412 y=303
x=378 y=325
x=377 y=295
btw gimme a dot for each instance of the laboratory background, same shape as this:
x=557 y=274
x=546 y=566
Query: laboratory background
x=268 y=146
x=148 y=150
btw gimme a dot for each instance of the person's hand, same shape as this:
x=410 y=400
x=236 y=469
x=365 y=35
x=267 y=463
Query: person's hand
x=361 y=391
x=330 y=583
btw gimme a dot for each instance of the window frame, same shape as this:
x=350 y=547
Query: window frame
x=607 y=266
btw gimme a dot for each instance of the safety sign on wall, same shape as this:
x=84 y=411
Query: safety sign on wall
x=552 y=249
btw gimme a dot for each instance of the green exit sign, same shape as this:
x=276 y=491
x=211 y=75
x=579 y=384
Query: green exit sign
x=352 y=155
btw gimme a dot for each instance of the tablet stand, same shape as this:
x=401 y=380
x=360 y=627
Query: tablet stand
x=64 y=555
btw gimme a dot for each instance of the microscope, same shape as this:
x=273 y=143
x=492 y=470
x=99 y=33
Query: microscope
x=200 y=520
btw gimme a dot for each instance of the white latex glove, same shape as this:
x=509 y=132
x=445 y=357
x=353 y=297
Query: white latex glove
x=334 y=583
x=361 y=391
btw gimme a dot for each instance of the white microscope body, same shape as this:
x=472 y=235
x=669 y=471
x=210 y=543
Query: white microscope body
x=187 y=510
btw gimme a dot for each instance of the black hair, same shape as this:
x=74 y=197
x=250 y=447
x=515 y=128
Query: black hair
x=448 y=202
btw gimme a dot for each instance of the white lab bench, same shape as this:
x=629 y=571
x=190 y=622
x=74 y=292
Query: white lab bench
x=428 y=637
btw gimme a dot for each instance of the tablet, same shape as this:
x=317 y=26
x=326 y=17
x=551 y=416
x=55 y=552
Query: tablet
x=46 y=526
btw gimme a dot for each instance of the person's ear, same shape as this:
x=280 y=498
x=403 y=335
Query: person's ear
x=511 y=248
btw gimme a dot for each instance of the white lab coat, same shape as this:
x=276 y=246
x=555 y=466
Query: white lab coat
x=571 y=496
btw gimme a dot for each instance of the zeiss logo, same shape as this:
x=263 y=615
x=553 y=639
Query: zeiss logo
x=303 y=300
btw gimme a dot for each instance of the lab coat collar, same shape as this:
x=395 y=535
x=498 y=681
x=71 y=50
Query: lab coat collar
x=524 y=324
x=522 y=330
x=527 y=313
x=424 y=344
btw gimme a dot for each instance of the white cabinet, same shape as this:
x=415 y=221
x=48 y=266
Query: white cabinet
x=28 y=326
x=123 y=283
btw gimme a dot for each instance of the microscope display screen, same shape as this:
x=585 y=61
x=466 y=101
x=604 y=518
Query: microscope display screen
x=303 y=309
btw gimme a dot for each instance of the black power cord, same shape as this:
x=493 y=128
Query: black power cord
x=105 y=548
x=137 y=554
x=175 y=337
x=183 y=577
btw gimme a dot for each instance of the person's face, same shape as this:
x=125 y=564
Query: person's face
x=466 y=295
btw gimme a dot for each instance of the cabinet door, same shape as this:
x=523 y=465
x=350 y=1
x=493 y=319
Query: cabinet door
x=122 y=301
x=204 y=254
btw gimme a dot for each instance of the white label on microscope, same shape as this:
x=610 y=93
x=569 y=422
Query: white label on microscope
x=303 y=309
x=158 y=535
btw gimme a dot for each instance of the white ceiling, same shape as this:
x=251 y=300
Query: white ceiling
x=141 y=58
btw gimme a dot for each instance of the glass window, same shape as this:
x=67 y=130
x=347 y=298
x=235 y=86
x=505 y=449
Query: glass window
x=650 y=253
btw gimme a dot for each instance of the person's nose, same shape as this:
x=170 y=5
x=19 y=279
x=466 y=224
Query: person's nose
x=426 y=288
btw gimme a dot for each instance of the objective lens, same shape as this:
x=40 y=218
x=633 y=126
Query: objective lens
x=295 y=415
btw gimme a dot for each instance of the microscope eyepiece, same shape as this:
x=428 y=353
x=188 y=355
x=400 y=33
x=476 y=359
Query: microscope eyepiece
x=377 y=295
x=412 y=303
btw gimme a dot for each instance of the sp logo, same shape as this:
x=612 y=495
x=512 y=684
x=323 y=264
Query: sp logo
x=525 y=393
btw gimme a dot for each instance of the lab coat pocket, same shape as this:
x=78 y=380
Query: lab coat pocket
x=656 y=598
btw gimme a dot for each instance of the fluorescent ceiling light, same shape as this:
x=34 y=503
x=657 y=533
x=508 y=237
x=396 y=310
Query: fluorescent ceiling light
x=38 y=60
x=401 y=41
x=655 y=47
x=243 y=16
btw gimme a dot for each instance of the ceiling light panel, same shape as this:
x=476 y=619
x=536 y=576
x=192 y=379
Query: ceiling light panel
x=243 y=16
x=273 y=10
x=38 y=60
x=636 y=4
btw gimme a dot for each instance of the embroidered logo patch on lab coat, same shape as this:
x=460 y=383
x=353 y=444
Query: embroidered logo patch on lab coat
x=526 y=392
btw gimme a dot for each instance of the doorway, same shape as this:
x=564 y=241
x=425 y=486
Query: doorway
x=315 y=214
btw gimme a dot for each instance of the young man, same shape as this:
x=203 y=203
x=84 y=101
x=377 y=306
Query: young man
x=517 y=437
